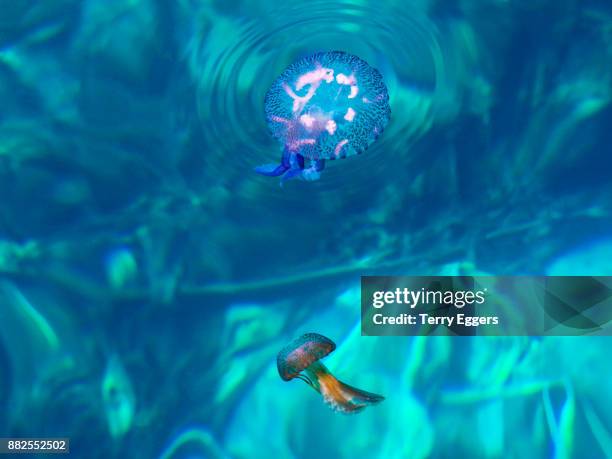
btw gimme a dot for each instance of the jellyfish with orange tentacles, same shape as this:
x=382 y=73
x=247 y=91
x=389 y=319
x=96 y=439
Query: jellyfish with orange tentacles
x=301 y=359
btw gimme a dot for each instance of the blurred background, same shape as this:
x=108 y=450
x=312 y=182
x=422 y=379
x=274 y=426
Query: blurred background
x=148 y=276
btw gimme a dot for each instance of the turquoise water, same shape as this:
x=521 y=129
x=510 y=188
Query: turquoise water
x=148 y=277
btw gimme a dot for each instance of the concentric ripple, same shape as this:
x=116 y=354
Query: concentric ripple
x=235 y=61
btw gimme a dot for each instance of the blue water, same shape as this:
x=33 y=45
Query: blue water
x=149 y=277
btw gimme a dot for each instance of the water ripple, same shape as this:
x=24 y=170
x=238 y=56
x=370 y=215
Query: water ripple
x=234 y=61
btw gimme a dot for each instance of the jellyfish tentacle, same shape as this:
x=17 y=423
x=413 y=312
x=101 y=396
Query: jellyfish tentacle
x=271 y=170
x=313 y=172
x=290 y=175
x=300 y=161
x=359 y=396
x=297 y=170
x=274 y=170
x=338 y=395
x=308 y=381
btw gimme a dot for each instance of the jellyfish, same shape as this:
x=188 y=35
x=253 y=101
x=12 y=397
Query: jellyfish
x=327 y=106
x=301 y=359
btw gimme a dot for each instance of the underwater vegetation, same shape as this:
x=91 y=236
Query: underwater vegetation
x=148 y=278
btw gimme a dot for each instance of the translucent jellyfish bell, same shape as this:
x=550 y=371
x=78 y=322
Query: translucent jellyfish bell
x=327 y=106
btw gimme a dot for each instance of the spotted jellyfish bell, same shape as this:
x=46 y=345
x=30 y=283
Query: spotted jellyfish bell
x=325 y=106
